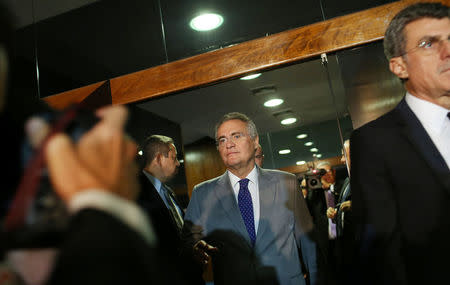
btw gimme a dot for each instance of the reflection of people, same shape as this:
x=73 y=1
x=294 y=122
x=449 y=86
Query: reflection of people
x=326 y=228
x=263 y=207
x=342 y=214
x=159 y=201
x=344 y=200
x=259 y=156
x=400 y=173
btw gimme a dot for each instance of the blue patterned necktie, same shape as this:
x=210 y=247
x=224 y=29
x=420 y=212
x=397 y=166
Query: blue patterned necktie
x=246 y=207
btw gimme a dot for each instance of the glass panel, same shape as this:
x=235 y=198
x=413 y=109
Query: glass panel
x=371 y=89
x=332 y=8
x=95 y=42
x=306 y=94
x=242 y=21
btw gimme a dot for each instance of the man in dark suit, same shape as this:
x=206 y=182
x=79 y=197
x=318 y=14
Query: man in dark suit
x=158 y=200
x=400 y=173
x=253 y=221
x=342 y=214
x=161 y=205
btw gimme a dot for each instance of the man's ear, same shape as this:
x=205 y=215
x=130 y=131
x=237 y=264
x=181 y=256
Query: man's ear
x=398 y=66
x=158 y=158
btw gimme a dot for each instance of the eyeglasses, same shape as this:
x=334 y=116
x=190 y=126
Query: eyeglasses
x=429 y=45
x=234 y=138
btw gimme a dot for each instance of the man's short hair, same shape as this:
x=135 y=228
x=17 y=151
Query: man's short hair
x=251 y=127
x=394 y=38
x=153 y=145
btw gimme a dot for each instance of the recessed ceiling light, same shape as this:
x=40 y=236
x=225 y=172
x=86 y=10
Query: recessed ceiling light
x=319 y=155
x=309 y=143
x=300 y=162
x=181 y=161
x=302 y=136
x=273 y=102
x=206 y=22
x=284 y=151
x=288 y=121
x=251 y=76
x=314 y=149
x=140 y=152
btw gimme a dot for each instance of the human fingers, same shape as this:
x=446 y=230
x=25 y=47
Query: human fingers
x=67 y=174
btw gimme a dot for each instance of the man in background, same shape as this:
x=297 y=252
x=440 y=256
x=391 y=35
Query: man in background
x=342 y=215
x=160 y=203
x=259 y=156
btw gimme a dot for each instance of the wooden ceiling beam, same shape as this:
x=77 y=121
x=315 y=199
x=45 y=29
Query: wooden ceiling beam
x=264 y=53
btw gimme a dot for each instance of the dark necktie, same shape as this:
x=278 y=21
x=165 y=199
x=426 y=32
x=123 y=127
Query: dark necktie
x=246 y=207
x=172 y=207
x=448 y=115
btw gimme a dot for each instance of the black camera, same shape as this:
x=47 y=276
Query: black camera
x=313 y=177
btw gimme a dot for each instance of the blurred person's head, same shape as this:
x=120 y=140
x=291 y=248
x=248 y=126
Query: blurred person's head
x=237 y=140
x=160 y=157
x=416 y=43
x=259 y=156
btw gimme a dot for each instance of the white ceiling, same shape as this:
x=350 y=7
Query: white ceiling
x=303 y=87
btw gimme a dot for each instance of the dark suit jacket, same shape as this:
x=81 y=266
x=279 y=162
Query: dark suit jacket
x=161 y=218
x=401 y=198
x=100 y=249
x=169 y=237
x=343 y=221
x=284 y=225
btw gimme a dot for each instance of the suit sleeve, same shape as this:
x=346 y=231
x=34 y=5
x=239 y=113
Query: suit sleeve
x=303 y=230
x=374 y=210
x=192 y=230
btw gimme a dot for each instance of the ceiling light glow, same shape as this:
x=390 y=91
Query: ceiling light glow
x=140 y=152
x=300 y=162
x=206 y=22
x=309 y=144
x=284 y=151
x=273 y=102
x=302 y=136
x=288 y=121
x=251 y=76
x=314 y=149
x=319 y=155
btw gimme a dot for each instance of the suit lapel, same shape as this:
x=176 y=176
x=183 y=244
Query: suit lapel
x=267 y=191
x=227 y=200
x=150 y=199
x=417 y=135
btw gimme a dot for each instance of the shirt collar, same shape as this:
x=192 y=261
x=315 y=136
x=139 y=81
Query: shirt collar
x=252 y=176
x=433 y=117
x=155 y=181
